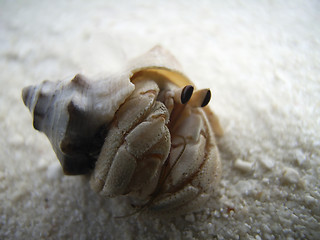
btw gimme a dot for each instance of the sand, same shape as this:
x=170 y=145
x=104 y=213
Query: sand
x=261 y=60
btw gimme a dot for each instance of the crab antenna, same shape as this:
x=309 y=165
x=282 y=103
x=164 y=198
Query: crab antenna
x=183 y=95
x=200 y=98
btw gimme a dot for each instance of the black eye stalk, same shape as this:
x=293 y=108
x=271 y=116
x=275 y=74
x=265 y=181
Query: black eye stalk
x=198 y=98
x=206 y=99
x=186 y=94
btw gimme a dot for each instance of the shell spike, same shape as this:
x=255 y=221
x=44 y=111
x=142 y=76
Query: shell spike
x=27 y=95
x=81 y=81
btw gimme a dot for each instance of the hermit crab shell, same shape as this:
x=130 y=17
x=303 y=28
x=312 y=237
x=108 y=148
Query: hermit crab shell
x=74 y=114
x=90 y=123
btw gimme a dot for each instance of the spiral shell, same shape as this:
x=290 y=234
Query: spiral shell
x=143 y=132
x=73 y=114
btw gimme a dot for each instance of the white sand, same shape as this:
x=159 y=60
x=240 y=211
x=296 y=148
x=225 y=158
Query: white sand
x=262 y=61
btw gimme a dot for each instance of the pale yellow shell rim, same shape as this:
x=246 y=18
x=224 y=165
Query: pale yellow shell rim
x=161 y=75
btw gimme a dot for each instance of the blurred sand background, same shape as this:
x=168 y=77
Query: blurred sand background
x=261 y=59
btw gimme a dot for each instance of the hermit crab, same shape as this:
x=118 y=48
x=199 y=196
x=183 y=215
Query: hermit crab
x=144 y=132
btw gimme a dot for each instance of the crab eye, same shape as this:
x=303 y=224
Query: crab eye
x=206 y=99
x=183 y=95
x=186 y=94
x=200 y=98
